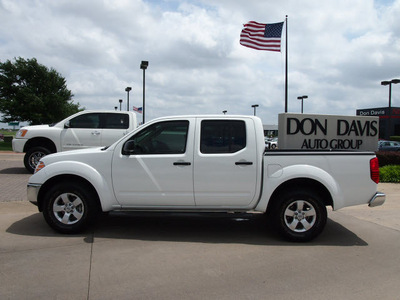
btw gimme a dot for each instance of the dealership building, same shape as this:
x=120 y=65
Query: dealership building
x=389 y=120
x=270 y=130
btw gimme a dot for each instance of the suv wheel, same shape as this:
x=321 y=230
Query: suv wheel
x=32 y=157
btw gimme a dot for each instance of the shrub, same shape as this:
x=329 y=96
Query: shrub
x=8 y=138
x=395 y=138
x=390 y=173
x=388 y=158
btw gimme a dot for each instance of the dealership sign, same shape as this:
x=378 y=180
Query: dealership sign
x=328 y=132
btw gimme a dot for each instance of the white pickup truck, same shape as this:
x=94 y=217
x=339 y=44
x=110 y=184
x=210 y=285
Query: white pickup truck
x=203 y=164
x=81 y=130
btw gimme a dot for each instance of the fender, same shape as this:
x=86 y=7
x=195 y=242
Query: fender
x=276 y=175
x=102 y=186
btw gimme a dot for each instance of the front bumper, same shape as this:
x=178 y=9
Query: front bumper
x=18 y=145
x=33 y=192
x=377 y=200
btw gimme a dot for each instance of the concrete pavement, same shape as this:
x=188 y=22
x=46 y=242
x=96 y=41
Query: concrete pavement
x=13 y=176
x=167 y=257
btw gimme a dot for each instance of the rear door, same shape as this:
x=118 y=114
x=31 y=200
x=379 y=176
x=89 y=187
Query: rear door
x=225 y=173
x=115 y=126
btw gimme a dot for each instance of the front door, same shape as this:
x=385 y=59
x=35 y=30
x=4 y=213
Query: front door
x=159 y=172
x=81 y=132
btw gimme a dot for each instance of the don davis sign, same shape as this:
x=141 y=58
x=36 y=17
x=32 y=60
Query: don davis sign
x=328 y=132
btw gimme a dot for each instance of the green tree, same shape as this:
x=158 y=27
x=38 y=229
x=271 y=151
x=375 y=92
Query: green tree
x=33 y=93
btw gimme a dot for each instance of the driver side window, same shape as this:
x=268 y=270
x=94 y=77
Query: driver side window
x=85 y=121
x=162 y=138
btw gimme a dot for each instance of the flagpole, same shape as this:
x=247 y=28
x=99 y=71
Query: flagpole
x=286 y=68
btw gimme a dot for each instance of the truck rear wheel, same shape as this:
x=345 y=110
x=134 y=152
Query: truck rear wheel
x=32 y=157
x=69 y=207
x=300 y=215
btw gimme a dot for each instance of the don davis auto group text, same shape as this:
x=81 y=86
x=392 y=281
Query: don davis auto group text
x=330 y=132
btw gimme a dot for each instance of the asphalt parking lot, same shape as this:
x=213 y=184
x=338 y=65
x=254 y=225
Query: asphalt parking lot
x=167 y=257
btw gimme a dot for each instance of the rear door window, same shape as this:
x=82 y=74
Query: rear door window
x=220 y=136
x=116 y=121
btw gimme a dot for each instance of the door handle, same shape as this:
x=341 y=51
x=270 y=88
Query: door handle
x=95 y=132
x=182 y=163
x=243 y=163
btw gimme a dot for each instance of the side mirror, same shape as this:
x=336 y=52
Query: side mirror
x=128 y=148
x=66 y=125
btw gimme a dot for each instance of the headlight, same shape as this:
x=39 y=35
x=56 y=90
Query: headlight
x=21 y=133
x=39 y=166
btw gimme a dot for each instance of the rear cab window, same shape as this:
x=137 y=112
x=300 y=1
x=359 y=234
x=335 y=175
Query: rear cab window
x=222 y=136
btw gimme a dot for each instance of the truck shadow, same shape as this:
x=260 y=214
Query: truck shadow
x=14 y=171
x=193 y=228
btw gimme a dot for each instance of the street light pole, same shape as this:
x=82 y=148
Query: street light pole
x=143 y=65
x=389 y=83
x=302 y=99
x=255 y=106
x=128 y=89
x=120 y=104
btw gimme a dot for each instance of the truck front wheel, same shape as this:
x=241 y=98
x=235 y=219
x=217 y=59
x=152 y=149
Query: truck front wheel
x=32 y=157
x=300 y=215
x=69 y=207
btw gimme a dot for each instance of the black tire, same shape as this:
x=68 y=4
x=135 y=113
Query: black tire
x=70 y=207
x=32 y=157
x=300 y=215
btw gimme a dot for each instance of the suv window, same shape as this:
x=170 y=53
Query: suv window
x=101 y=120
x=85 y=121
x=219 y=136
x=162 y=138
x=116 y=121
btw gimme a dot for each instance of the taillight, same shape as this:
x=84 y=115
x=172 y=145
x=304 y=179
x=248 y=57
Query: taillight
x=374 y=168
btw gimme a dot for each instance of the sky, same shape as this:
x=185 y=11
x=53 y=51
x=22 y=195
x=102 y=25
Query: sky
x=338 y=53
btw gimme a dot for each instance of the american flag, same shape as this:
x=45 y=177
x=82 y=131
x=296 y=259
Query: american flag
x=138 y=109
x=262 y=36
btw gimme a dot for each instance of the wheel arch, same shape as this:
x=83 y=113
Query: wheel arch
x=303 y=183
x=41 y=142
x=66 y=178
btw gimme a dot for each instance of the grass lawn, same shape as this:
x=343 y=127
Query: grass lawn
x=5 y=146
